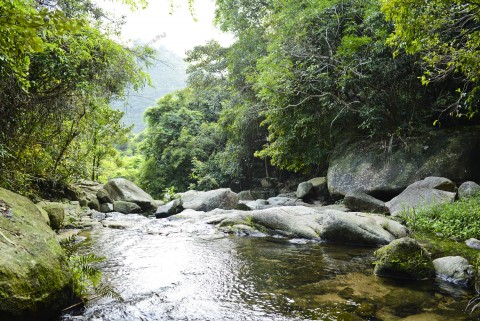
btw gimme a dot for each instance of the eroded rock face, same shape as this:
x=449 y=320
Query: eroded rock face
x=121 y=189
x=369 y=168
x=314 y=223
x=34 y=278
x=421 y=194
x=222 y=198
x=404 y=258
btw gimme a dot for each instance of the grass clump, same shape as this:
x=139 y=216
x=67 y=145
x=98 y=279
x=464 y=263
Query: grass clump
x=458 y=220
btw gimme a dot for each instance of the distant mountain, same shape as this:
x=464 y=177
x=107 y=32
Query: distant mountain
x=168 y=74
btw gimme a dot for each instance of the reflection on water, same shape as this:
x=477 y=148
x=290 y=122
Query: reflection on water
x=181 y=270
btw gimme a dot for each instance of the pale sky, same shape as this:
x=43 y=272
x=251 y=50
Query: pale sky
x=175 y=30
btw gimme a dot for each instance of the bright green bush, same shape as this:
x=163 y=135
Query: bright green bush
x=460 y=219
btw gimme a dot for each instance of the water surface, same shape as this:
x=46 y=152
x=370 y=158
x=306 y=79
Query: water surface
x=184 y=270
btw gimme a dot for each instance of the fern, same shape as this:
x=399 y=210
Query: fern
x=86 y=276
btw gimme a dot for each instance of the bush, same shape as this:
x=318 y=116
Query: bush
x=460 y=219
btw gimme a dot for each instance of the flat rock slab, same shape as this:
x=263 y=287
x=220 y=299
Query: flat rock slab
x=121 y=225
x=314 y=223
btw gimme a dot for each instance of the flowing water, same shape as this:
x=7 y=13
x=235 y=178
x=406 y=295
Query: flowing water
x=183 y=270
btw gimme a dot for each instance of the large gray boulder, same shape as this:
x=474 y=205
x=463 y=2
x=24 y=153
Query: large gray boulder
x=468 y=189
x=404 y=258
x=422 y=194
x=222 y=198
x=314 y=223
x=121 y=189
x=385 y=172
x=35 y=283
x=361 y=202
x=454 y=269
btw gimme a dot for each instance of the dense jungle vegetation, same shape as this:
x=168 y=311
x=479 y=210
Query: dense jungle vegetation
x=300 y=77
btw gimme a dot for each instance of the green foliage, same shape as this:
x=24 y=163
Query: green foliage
x=86 y=275
x=125 y=161
x=458 y=220
x=446 y=34
x=328 y=76
x=169 y=194
x=56 y=120
x=179 y=136
x=301 y=77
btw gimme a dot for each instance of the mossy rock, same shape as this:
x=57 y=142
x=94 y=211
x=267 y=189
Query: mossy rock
x=56 y=214
x=366 y=166
x=35 y=283
x=404 y=258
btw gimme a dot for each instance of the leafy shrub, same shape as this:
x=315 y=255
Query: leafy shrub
x=460 y=219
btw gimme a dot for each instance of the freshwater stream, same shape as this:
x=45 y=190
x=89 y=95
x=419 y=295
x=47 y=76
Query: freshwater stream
x=184 y=270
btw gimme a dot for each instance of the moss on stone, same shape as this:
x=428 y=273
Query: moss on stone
x=34 y=278
x=404 y=258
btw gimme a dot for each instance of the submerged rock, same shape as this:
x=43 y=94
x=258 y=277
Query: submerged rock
x=315 y=223
x=404 y=258
x=454 y=269
x=34 y=280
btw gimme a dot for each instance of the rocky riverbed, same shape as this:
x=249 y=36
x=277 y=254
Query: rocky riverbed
x=183 y=268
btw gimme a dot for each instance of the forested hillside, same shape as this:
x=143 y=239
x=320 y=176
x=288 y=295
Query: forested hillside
x=300 y=78
x=304 y=76
x=167 y=74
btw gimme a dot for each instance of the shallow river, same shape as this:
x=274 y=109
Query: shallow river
x=182 y=270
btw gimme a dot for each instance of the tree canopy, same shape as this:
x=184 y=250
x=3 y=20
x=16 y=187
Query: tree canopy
x=446 y=34
x=58 y=75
